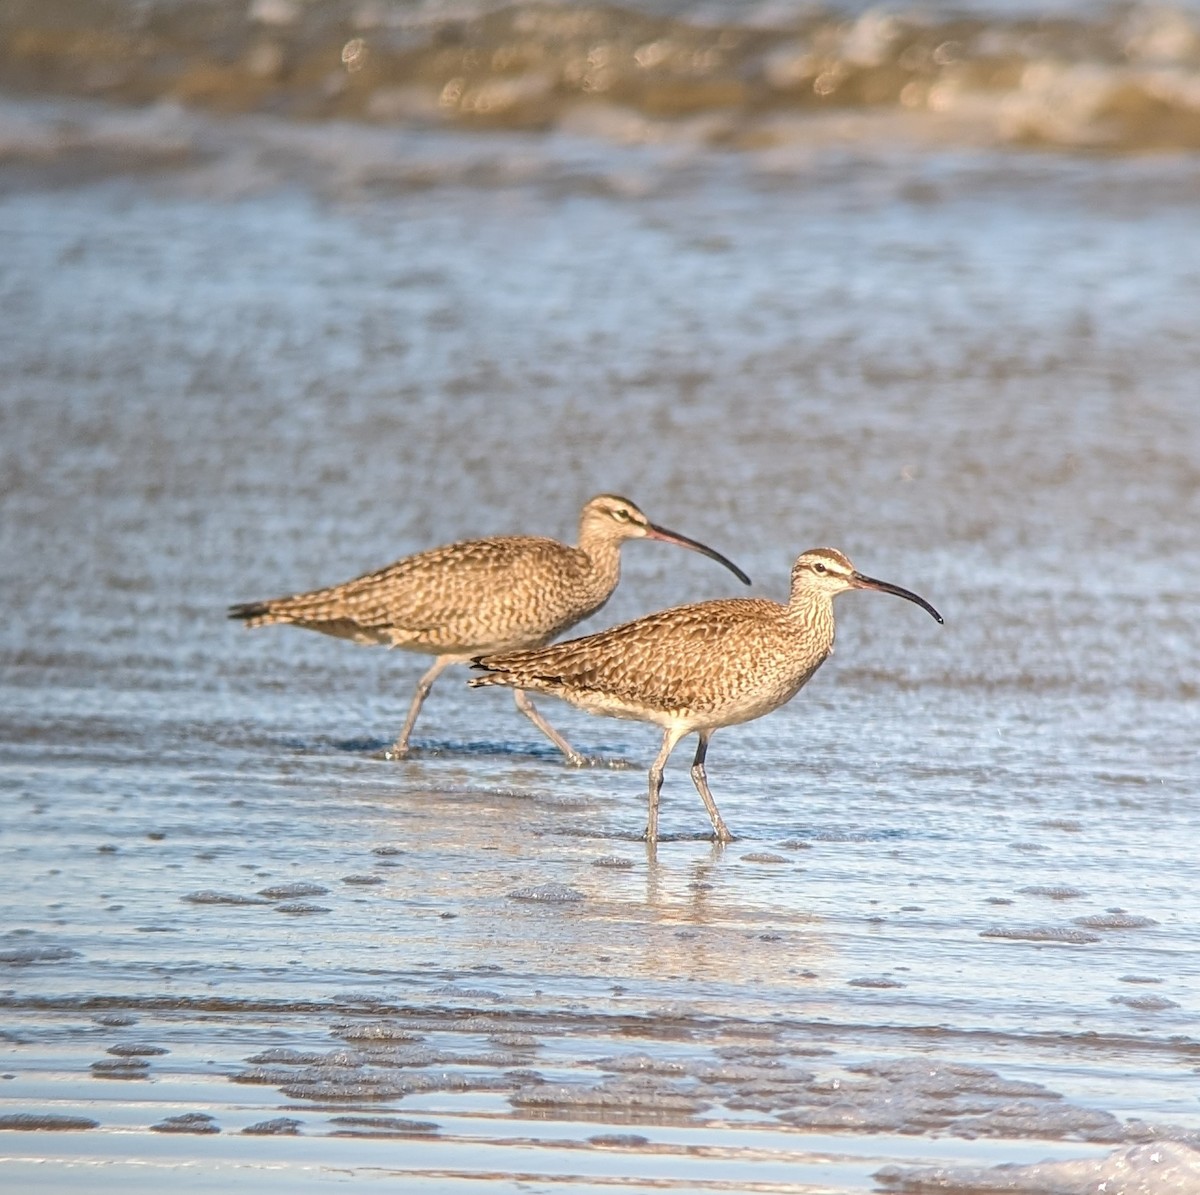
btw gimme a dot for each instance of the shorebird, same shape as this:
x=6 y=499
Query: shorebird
x=699 y=667
x=479 y=597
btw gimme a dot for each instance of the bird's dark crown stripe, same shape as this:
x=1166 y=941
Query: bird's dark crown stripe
x=831 y=555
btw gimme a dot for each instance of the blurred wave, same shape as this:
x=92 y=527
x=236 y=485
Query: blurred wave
x=1115 y=78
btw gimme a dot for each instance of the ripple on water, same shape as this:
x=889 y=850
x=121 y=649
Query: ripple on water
x=189 y=1122
x=616 y=862
x=279 y=1126
x=209 y=896
x=454 y=992
x=366 y=1086
x=414 y=1056
x=761 y=1088
x=23 y=956
x=375 y=1031
x=642 y=1064
x=949 y=1079
x=116 y=1020
x=1114 y=920
x=921 y=1095
x=284 y=891
x=834 y=835
x=265 y=1075
x=121 y=1068
x=277 y=1067
x=641 y=1096
x=515 y=1041
x=44 y=1122
x=345 y=1091
x=1144 y=1003
x=761 y=1053
x=382 y=1126
x=1042 y=1119
x=551 y=894
x=287 y=1057
x=1041 y=933
x=1164 y=1167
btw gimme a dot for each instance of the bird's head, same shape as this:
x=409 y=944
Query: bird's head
x=828 y=571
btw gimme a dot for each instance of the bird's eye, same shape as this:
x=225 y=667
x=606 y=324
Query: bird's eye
x=621 y=515
x=818 y=567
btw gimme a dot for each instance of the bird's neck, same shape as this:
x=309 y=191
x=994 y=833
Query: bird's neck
x=811 y=614
x=604 y=559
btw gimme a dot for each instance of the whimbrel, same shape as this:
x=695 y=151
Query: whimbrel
x=479 y=597
x=699 y=667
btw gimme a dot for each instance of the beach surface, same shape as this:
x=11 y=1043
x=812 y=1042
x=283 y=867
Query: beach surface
x=249 y=351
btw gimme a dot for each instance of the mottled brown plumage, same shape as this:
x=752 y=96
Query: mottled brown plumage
x=698 y=667
x=478 y=596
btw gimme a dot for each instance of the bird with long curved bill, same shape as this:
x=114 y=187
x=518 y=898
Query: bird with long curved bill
x=478 y=597
x=699 y=667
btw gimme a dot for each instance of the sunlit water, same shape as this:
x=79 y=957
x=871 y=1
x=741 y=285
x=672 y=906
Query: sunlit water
x=1079 y=74
x=959 y=925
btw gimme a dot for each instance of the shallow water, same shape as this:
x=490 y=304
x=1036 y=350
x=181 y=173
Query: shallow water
x=958 y=928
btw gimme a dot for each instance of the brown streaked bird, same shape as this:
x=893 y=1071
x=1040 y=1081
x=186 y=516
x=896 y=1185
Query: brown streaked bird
x=699 y=667
x=479 y=597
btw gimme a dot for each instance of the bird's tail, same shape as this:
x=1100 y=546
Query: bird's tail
x=518 y=670
x=254 y=614
x=493 y=674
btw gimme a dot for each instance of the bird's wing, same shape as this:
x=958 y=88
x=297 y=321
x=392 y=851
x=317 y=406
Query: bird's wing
x=686 y=657
x=441 y=592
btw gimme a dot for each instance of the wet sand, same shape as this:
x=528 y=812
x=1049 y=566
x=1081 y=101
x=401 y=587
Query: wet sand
x=958 y=928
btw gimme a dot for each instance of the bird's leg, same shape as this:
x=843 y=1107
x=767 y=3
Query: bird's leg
x=399 y=749
x=670 y=738
x=530 y=711
x=700 y=780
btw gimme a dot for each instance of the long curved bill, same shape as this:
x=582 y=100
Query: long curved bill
x=861 y=582
x=653 y=531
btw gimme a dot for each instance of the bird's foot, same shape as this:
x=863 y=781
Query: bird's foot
x=396 y=751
